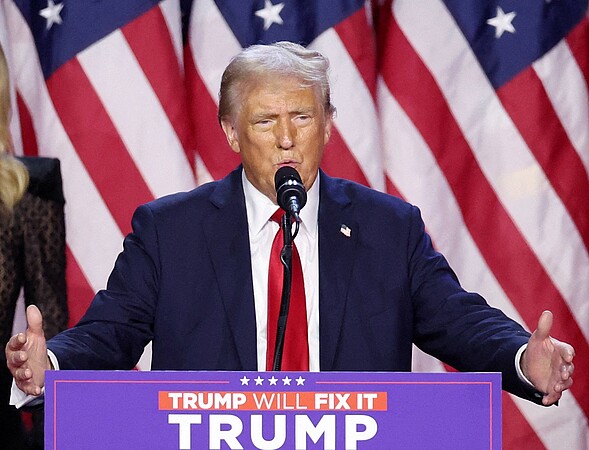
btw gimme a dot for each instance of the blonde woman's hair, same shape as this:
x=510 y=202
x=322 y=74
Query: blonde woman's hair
x=14 y=177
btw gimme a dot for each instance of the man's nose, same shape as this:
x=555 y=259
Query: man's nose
x=285 y=134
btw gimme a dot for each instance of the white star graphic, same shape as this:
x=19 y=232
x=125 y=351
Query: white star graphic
x=52 y=13
x=273 y=380
x=259 y=381
x=245 y=381
x=300 y=381
x=502 y=22
x=270 y=13
x=286 y=381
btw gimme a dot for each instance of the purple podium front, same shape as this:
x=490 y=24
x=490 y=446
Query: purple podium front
x=271 y=410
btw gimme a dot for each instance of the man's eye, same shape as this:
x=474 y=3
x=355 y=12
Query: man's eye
x=303 y=118
x=263 y=125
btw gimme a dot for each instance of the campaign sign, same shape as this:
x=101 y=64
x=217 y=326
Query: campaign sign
x=271 y=410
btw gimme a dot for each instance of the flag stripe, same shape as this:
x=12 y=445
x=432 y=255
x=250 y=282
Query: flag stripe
x=577 y=41
x=173 y=16
x=555 y=426
x=86 y=112
x=28 y=138
x=527 y=103
x=501 y=153
x=357 y=123
x=558 y=67
x=517 y=427
x=404 y=167
x=338 y=161
x=98 y=239
x=79 y=291
x=211 y=145
x=392 y=188
x=128 y=100
x=572 y=104
x=458 y=246
x=204 y=65
x=206 y=26
x=357 y=36
x=484 y=215
x=162 y=72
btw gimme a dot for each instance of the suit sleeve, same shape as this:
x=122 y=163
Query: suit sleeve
x=119 y=322
x=456 y=326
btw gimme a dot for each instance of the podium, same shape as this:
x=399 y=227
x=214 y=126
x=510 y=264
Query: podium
x=271 y=410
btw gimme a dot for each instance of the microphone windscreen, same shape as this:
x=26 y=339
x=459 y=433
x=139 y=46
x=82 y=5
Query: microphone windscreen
x=285 y=173
x=289 y=187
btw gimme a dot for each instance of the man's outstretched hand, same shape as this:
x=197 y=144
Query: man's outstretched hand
x=547 y=362
x=26 y=355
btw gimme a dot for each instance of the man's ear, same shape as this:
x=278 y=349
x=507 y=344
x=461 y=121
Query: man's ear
x=327 y=132
x=230 y=134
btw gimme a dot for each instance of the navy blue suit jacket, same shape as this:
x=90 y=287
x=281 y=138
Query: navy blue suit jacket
x=184 y=281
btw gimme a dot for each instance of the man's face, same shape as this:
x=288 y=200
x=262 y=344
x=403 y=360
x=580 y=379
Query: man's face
x=278 y=124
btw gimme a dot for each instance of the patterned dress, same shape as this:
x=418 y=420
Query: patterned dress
x=32 y=258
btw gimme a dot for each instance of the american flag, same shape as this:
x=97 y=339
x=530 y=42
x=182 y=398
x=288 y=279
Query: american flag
x=477 y=112
x=99 y=85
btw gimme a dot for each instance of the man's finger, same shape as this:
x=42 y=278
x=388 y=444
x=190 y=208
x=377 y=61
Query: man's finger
x=567 y=352
x=18 y=358
x=17 y=341
x=28 y=388
x=23 y=375
x=544 y=325
x=551 y=398
x=34 y=320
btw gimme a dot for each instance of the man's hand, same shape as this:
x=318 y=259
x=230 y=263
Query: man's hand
x=547 y=362
x=26 y=355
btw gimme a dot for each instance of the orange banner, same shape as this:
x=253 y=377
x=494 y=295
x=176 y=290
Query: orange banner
x=272 y=401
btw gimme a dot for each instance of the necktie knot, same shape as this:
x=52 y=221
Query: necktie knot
x=277 y=216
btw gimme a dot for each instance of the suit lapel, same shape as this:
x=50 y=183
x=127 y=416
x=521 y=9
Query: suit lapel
x=337 y=248
x=228 y=243
x=226 y=232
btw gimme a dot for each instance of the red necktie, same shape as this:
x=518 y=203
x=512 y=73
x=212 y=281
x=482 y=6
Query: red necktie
x=295 y=356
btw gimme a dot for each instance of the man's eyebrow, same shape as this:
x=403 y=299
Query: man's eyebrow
x=305 y=110
x=270 y=115
x=263 y=115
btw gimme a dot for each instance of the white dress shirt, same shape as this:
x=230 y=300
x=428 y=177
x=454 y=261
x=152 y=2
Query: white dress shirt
x=261 y=232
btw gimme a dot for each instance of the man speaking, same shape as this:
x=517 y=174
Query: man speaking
x=200 y=274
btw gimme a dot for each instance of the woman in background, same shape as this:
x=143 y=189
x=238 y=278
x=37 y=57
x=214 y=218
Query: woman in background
x=32 y=257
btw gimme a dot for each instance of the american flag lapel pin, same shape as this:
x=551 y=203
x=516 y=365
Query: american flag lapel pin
x=345 y=230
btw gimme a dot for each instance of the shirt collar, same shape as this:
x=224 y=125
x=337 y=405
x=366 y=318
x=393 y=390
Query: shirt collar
x=260 y=208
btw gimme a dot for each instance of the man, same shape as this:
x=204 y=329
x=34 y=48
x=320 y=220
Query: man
x=193 y=275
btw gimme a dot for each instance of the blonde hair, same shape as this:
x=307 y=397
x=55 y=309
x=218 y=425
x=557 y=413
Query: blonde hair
x=14 y=177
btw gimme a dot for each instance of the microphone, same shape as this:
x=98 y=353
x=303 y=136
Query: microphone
x=290 y=191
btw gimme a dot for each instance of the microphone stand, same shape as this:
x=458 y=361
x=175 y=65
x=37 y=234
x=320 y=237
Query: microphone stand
x=286 y=259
